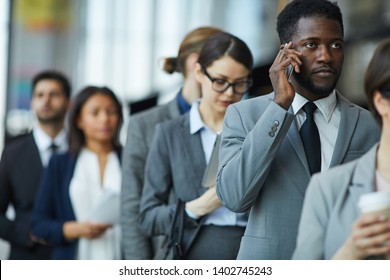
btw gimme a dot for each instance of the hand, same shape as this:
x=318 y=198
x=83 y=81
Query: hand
x=369 y=234
x=205 y=204
x=73 y=229
x=284 y=90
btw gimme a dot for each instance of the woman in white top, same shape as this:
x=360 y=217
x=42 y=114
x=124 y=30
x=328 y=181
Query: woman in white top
x=331 y=225
x=182 y=147
x=77 y=205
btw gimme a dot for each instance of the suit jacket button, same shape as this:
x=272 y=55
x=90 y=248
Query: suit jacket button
x=276 y=123
x=271 y=133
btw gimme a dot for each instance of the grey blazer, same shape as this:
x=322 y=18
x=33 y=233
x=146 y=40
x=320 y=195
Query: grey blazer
x=263 y=168
x=140 y=133
x=330 y=207
x=176 y=164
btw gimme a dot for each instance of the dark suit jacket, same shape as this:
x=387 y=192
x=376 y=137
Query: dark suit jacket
x=20 y=172
x=53 y=207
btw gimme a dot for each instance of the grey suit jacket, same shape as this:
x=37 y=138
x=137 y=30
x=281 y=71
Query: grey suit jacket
x=263 y=168
x=140 y=133
x=176 y=164
x=330 y=207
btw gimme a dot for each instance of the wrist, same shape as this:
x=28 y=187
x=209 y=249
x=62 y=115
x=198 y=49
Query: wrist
x=70 y=230
x=346 y=252
x=284 y=102
x=193 y=210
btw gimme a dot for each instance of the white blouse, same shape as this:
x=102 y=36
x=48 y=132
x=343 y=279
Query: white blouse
x=85 y=191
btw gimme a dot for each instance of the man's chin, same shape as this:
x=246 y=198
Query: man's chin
x=49 y=119
x=321 y=90
x=317 y=88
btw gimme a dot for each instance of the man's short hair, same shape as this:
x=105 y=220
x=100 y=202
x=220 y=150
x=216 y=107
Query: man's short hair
x=287 y=21
x=53 y=75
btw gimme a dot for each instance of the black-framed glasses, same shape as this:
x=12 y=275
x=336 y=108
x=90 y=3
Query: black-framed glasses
x=221 y=85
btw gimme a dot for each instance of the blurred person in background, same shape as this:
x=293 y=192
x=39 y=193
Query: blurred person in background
x=24 y=159
x=141 y=129
x=75 y=181
x=331 y=225
x=182 y=147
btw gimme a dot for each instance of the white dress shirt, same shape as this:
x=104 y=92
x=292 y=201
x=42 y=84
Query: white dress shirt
x=327 y=119
x=221 y=216
x=44 y=141
x=85 y=190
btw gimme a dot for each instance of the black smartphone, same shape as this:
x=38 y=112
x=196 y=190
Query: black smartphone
x=289 y=71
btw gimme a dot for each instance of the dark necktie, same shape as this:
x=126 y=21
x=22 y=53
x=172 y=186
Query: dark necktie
x=53 y=148
x=311 y=139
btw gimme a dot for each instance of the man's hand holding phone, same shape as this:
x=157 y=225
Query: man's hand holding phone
x=286 y=61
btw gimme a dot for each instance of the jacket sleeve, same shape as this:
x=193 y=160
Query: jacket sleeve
x=135 y=244
x=46 y=222
x=247 y=152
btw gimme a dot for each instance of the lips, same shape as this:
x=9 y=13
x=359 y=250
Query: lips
x=226 y=103
x=324 y=71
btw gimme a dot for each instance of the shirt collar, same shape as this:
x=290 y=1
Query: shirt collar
x=43 y=140
x=184 y=107
x=196 y=123
x=326 y=105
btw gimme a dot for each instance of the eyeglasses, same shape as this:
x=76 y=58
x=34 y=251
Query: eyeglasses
x=221 y=85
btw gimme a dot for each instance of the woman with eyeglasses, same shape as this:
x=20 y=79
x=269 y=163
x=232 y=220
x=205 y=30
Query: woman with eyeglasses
x=182 y=147
x=332 y=226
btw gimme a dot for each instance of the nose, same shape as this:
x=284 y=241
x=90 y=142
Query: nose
x=104 y=117
x=229 y=91
x=324 y=54
x=46 y=98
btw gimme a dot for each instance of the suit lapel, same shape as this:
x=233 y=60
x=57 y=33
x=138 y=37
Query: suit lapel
x=348 y=121
x=194 y=160
x=296 y=143
x=32 y=153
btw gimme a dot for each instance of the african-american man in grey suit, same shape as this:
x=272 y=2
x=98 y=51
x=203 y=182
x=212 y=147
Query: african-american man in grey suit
x=263 y=163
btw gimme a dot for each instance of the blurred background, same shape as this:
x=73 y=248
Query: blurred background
x=120 y=43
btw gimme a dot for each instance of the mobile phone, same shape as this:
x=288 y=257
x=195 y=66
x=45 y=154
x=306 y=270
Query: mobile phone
x=289 y=71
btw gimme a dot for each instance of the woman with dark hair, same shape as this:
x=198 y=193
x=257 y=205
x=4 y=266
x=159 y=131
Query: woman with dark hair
x=75 y=182
x=331 y=224
x=182 y=147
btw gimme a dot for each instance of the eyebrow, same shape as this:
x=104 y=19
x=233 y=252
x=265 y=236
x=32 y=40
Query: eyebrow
x=317 y=39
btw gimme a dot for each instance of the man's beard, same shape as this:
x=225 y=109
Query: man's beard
x=55 y=119
x=321 y=91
